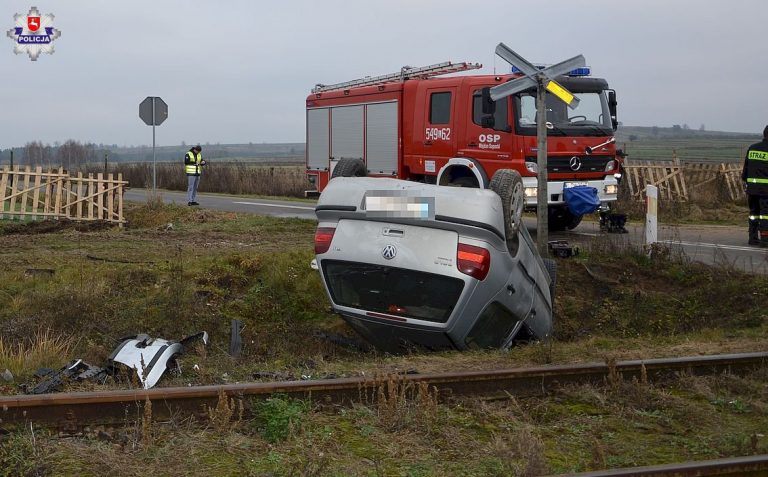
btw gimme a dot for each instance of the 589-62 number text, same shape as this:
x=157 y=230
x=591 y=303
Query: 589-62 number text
x=433 y=134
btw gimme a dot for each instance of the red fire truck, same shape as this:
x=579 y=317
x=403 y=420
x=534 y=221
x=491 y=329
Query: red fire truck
x=420 y=126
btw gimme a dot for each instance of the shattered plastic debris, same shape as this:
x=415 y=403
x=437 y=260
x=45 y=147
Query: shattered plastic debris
x=148 y=357
x=76 y=371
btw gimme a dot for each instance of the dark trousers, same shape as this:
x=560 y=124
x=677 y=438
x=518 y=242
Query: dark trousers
x=758 y=217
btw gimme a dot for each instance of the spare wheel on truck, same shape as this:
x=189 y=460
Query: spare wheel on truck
x=508 y=185
x=348 y=167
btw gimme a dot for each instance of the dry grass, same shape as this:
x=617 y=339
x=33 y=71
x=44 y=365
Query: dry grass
x=227 y=413
x=402 y=404
x=44 y=350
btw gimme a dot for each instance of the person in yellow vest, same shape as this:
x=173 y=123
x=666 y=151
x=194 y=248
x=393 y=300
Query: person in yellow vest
x=193 y=166
x=755 y=176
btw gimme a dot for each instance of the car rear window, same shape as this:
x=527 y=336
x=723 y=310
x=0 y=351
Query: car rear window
x=390 y=290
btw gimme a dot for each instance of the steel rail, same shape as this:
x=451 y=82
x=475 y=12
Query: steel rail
x=756 y=465
x=73 y=410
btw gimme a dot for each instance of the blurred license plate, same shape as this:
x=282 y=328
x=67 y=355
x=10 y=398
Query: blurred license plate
x=568 y=185
x=396 y=204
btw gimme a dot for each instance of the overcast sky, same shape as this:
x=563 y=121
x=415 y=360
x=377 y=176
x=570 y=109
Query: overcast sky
x=239 y=71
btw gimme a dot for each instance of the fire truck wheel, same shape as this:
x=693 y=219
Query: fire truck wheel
x=465 y=181
x=560 y=218
x=508 y=185
x=349 y=168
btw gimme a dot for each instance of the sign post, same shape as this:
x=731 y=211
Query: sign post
x=541 y=79
x=651 y=215
x=153 y=111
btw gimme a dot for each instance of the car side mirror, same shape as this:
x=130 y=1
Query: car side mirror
x=487 y=121
x=489 y=105
x=612 y=103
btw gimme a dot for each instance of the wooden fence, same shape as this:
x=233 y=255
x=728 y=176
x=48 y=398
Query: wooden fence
x=33 y=194
x=679 y=181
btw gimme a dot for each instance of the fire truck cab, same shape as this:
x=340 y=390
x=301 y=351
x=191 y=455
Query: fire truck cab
x=417 y=126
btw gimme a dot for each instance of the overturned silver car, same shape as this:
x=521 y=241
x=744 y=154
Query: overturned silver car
x=417 y=265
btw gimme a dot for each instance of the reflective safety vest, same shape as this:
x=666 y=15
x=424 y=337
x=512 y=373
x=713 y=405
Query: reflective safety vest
x=192 y=163
x=756 y=169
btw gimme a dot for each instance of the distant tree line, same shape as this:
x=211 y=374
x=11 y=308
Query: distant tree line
x=73 y=155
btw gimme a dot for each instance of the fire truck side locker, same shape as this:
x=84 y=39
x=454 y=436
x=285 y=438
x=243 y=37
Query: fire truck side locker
x=367 y=129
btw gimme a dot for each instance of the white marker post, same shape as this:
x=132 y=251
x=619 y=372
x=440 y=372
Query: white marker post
x=651 y=215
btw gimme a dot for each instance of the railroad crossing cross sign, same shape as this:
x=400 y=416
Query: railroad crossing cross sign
x=541 y=79
x=153 y=111
x=534 y=76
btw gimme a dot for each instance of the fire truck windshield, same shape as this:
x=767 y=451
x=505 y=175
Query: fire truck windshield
x=590 y=118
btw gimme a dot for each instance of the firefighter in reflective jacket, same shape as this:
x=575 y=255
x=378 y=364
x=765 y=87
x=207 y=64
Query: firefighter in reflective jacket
x=755 y=175
x=193 y=166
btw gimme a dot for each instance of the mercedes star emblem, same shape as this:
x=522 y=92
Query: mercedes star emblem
x=575 y=163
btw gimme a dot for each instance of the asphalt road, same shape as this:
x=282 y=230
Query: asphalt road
x=711 y=244
x=275 y=208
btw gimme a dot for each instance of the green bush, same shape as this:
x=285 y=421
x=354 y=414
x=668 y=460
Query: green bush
x=279 y=416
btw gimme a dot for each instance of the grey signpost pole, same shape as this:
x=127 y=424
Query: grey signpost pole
x=541 y=79
x=153 y=111
x=542 y=210
x=154 y=157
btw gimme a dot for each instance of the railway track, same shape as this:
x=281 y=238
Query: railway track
x=72 y=411
x=751 y=466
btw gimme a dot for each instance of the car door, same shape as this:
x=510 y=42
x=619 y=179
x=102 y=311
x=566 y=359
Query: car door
x=485 y=143
x=436 y=125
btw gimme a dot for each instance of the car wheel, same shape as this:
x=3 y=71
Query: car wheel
x=560 y=218
x=551 y=267
x=508 y=185
x=349 y=168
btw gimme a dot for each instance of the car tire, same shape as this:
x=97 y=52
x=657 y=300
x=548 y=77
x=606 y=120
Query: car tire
x=560 y=218
x=551 y=267
x=508 y=185
x=349 y=168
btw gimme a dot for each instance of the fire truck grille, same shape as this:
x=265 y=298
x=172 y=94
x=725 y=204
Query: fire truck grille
x=570 y=164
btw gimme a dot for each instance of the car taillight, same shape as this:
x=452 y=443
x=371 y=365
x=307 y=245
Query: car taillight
x=473 y=261
x=323 y=237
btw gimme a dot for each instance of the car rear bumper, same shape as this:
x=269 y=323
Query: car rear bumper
x=395 y=337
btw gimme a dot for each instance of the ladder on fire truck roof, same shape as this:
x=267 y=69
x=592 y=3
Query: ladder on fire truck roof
x=406 y=72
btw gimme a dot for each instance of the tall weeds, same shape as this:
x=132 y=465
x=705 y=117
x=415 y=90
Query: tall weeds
x=44 y=350
x=219 y=177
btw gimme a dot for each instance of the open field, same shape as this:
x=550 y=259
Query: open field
x=209 y=268
x=687 y=145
